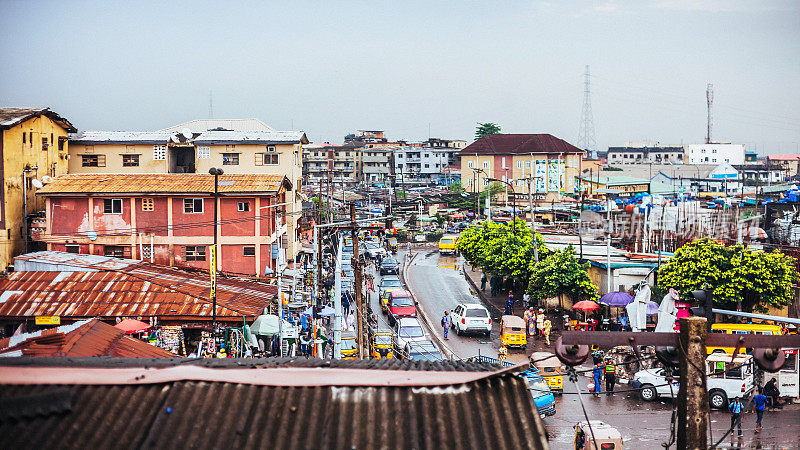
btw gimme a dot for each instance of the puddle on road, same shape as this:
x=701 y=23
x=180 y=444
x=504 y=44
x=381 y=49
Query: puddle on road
x=449 y=262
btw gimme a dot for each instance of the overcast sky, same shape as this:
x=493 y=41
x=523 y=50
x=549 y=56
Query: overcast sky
x=332 y=67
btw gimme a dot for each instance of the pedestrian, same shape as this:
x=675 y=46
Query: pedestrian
x=509 y=306
x=611 y=376
x=483 y=282
x=527 y=317
x=759 y=404
x=540 y=321
x=597 y=372
x=502 y=353
x=493 y=285
x=446 y=323
x=773 y=393
x=736 y=408
x=526 y=300
x=346 y=303
x=548 y=326
x=408 y=247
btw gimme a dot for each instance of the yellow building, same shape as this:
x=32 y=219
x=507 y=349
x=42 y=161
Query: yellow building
x=33 y=146
x=538 y=163
x=196 y=147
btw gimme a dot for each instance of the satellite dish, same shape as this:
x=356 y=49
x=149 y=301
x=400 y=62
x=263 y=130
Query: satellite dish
x=36 y=183
x=46 y=179
x=187 y=133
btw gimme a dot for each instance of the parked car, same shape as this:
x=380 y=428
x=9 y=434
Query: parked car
x=408 y=329
x=390 y=266
x=725 y=380
x=389 y=282
x=471 y=318
x=424 y=350
x=400 y=305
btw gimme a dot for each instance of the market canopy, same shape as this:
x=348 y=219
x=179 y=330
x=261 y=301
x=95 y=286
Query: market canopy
x=267 y=325
x=324 y=312
x=130 y=326
x=616 y=299
x=586 y=305
x=652 y=308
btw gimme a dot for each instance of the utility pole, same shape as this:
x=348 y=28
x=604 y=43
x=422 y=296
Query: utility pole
x=533 y=218
x=357 y=269
x=709 y=102
x=693 y=393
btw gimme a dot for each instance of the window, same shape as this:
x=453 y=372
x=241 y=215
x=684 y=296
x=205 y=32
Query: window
x=114 y=251
x=486 y=164
x=194 y=253
x=271 y=157
x=73 y=248
x=519 y=164
x=427 y=166
x=93 y=160
x=399 y=155
x=249 y=250
x=130 y=160
x=243 y=206
x=702 y=150
x=112 y=206
x=714 y=151
x=714 y=160
x=192 y=205
x=147 y=204
x=230 y=159
x=30 y=138
x=159 y=153
x=204 y=152
x=24 y=137
x=427 y=155
x=469 y=164
x=527 y=164
x=45 y=144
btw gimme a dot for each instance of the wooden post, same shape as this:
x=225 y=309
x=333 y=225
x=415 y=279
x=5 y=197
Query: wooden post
x=359 y=277
x=693 y=393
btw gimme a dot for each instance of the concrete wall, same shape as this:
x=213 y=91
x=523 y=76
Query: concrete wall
x=16 y=155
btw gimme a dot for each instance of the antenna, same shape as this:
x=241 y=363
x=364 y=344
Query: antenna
x=210 y=104
x=586 y=138
x=709 y=102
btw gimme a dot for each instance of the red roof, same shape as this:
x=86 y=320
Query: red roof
x=522 y=144
x=82 y=339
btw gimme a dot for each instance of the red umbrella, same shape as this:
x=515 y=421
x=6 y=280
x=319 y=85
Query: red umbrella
x=586 y=305
x=130 y=326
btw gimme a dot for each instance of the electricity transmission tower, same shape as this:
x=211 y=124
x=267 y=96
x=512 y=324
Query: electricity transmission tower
x=586 y=138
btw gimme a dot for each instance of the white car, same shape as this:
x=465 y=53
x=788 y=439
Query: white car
x=471 y=318
x=725 y=380
x=408 y=329
x=373 y=249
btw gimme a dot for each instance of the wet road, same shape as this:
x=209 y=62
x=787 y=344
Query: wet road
x=438 y=284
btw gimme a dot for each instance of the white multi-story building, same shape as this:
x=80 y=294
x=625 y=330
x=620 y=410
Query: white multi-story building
x=732 y=154
x=423 y=162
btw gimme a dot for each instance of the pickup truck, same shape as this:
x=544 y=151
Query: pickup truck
x=725 y=380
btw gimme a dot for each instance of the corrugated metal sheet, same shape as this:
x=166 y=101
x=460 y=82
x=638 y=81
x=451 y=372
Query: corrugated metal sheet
x=493 y=412
x=10 y=117
x=201 y=125
x=84 y=339
x=500 y=144
x=139 y=291
x=184 y=183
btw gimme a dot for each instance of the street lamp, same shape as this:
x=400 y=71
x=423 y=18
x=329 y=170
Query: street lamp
x=478 y=191
x=216 y=172
x=513 y=205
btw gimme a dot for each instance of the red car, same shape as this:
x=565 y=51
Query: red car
x=400 y=305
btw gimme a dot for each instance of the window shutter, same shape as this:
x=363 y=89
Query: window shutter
x=101 y=160
x=259 y=159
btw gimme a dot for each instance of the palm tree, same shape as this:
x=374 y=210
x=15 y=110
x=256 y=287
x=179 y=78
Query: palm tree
x=486 y=129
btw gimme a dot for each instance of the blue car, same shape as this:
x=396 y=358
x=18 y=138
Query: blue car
x=541 y=393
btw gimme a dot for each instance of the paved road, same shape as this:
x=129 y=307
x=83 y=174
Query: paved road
x=438 y=284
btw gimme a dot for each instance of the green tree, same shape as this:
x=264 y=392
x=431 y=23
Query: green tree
x=486 y=129
x=455 y=188
x=561 y=274
x=736 y=273
x=401 y=194
x=495 y=188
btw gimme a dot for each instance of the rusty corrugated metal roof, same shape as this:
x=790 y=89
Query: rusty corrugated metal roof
x=137 y=291
x=11 y=117
x=86 y=338
x=495 y=411
x=182 y=183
